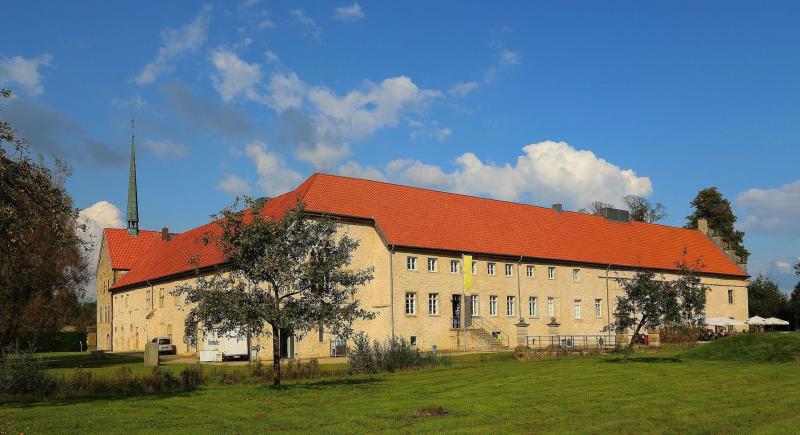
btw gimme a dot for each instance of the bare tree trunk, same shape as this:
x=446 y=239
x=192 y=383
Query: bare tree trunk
x=633 y=337
x=276 y=356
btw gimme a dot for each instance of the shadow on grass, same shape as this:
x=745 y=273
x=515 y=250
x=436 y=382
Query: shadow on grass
x=68 y=361
x=330 y=383
x=32 y=402
x=644 y=359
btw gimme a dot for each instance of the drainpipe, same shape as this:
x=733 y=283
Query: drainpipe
x=519 y=292
x=391 y=287
x=608 y=307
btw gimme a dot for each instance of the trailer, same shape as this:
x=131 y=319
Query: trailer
x=224 y=347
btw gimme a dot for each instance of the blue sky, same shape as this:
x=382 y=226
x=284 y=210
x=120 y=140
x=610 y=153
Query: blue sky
x=531 y=101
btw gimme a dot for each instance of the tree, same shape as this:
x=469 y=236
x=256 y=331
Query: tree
x=42 y=262
x=595 y=207
x=709 y=204
x=794 y=299
x=282 y=275
x=765 y=299
x=650 y=302
x=643 y=210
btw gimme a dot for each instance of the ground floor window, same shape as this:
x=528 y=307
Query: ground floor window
x=577 y=309
x=533 y=307
x=474 y=299
x=551 y=310
x=598 y=307
x=433 y=304
x=492 y=305
x=510 y=300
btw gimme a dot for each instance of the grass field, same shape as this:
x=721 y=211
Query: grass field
x=670 y=391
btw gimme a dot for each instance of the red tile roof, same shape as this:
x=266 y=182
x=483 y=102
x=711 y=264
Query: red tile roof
x=420 y=218
x=124 y=249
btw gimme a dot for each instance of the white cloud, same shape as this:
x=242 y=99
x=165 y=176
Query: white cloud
x=462 y=89
x=274 y=178
x=24 y=72
x=310 y=28
x=547 y=172
x=286 y=91
x=136 y=103
x=99 y=215
x=443 y=133
x=359 y=113
x=772 y=210
x=234 y=76
x=164 y=147
x=783 y=266
x=355 y=169
x=349 y=13
x=272 y=57
x=322 y=154
x=234 y=185
x=266 y=23
x=176 y=42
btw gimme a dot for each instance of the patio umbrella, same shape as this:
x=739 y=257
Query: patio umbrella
x=756 y=320
x=775 y=321
x=717 y=321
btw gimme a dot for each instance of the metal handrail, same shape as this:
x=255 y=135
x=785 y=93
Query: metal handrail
x=492 y=328
x=570 y=342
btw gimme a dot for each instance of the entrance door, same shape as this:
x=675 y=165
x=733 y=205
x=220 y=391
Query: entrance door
x=456 y=318
x=287 y=343
x=108 y=341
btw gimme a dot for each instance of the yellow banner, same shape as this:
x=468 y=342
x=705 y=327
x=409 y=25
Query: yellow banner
x=466 y=267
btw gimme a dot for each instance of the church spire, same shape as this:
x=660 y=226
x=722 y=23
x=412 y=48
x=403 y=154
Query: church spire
x=133 y=198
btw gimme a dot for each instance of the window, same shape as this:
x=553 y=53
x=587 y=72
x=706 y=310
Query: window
x=169 y=332
x=598 y=307
x=577 y=309
x=453 y=266
x=474 y=305
x=510 y=305
x=529 y=271
x=551 y=309
x=411 y=303
x=533 y=306
x=161 y=298
x=411 y=263
x=492 y=305
x=433 y=304
x=730 y=296
x=509 y=270
x=576 y=275
x=147 y=301
x=474 y=267
x=431 y=265
x=413 y=340
x=551 y=272
x=490 y=268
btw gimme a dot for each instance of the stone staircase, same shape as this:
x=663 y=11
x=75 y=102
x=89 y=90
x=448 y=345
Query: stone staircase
x=482 y=340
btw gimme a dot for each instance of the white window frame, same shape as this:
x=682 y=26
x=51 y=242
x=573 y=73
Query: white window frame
x=453 y=266
x=533 y=307
x=411 y=304
x=598 y=308
x=433 y=304
x=551 y=272
x=411 y=263
x=577 y=309
x=432 y=262
x=493 y=305
x=475 y=301
x=551 y=307
x=474 y=267
x=509 y=270
x=576 y=275
x=490 y=269
x=530 y=271
x=511 y=302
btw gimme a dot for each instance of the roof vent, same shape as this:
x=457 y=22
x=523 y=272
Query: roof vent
x=615 y=214
x=558 y=207
x=165 y=234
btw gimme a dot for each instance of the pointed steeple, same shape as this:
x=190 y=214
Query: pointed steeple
x=133 y=197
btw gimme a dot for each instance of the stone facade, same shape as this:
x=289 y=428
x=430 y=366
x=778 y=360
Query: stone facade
x=578 y=296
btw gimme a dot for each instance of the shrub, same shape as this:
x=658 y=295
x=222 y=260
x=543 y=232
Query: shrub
x=191 y=376
x=680 y=334
x=299 y=370
x=394 y=354
x=23 y=372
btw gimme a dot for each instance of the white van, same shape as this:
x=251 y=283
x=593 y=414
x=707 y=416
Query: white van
x=224 y=347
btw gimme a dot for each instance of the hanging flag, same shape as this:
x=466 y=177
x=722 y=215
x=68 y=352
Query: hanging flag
x=467 y=269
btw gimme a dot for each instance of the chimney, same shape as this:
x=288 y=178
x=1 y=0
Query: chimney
x=165 y=234
x=702 y=226
x=558 y=207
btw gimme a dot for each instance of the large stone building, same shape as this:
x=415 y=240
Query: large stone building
x=530 y=266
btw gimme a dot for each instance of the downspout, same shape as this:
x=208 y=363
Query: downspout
x=519 y=292
x=391 y=288
x=608 y=307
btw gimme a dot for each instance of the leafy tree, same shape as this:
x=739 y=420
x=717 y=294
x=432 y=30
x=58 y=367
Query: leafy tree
x=650 y=302
x=42 y=262
x=794 y=299
x=282 y=275
x=709 y=204
x=643 y=210
x=764 y=298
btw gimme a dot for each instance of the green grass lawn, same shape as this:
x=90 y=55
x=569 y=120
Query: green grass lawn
x=656 y=392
